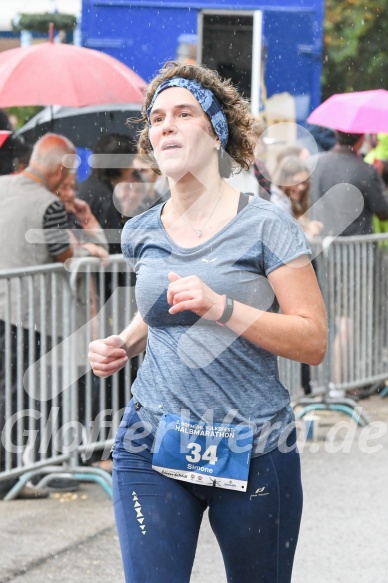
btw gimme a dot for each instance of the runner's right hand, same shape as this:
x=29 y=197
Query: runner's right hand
x=107 y=356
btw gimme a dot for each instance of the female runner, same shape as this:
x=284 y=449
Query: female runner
x=210 y=424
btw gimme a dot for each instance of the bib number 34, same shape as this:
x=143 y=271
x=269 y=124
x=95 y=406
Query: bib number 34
x=210 y=455
x=215 y=455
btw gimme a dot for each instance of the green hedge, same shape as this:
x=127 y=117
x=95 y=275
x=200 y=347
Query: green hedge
x=40 y=22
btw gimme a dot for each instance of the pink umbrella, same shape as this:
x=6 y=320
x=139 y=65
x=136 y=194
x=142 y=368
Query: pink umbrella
x=61 y=74
x=358 y=113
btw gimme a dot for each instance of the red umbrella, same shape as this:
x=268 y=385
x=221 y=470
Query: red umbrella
x=359 y=112
x=61 y=74
x=3 y=136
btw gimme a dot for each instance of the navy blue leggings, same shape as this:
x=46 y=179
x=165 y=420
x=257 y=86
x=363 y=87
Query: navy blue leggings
x=158 y=518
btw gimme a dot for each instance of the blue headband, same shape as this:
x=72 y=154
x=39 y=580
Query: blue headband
x=207 y=100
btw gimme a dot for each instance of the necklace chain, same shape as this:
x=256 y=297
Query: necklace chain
x=198 y=230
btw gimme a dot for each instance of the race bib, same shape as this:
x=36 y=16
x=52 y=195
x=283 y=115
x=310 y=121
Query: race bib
x=210 y=454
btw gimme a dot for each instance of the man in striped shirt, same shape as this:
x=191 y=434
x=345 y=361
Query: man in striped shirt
x=33 y=232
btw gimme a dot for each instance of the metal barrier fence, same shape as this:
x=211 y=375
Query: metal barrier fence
x=64 y=414
x=33 y=319
x=353 y=275
x=55 y=410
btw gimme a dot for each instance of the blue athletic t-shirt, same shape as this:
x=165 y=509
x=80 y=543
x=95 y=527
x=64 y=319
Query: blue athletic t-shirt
x=194 y=367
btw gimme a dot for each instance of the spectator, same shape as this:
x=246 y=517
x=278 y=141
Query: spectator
x=98 y=189
x=23 y=151
x=342 y=166
x=111 y=187
x=15 y=152
x=154 y=187
x=128 y=197
x=290 y=188
x=380 y=151
x=295 y=150
x=27 y=201
x=378 y=156
x=324 y=137
x=86 y=233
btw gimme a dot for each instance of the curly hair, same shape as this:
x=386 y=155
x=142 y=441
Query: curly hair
x=236 y=109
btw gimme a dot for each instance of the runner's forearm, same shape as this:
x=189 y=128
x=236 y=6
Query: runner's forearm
x=295 y=337
x=135 y=336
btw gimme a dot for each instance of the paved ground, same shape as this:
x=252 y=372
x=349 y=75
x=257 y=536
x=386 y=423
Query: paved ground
x=343 y=536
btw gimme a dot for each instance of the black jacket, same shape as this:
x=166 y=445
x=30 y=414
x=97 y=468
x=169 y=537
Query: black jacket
x=99 y=196
x=340 y=168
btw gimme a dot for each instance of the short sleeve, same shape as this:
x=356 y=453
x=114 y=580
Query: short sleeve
x=137 y=232
x=283 y=241
x=55 y=225
x=128 y=235
x=127 y=250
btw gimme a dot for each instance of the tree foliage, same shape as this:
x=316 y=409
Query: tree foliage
x=355 y=46
x=24 y=114
x=40 y=22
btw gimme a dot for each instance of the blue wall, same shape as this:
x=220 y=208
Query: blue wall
x=144 y=35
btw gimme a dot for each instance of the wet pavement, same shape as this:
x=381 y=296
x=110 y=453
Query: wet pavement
x=72 y=538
